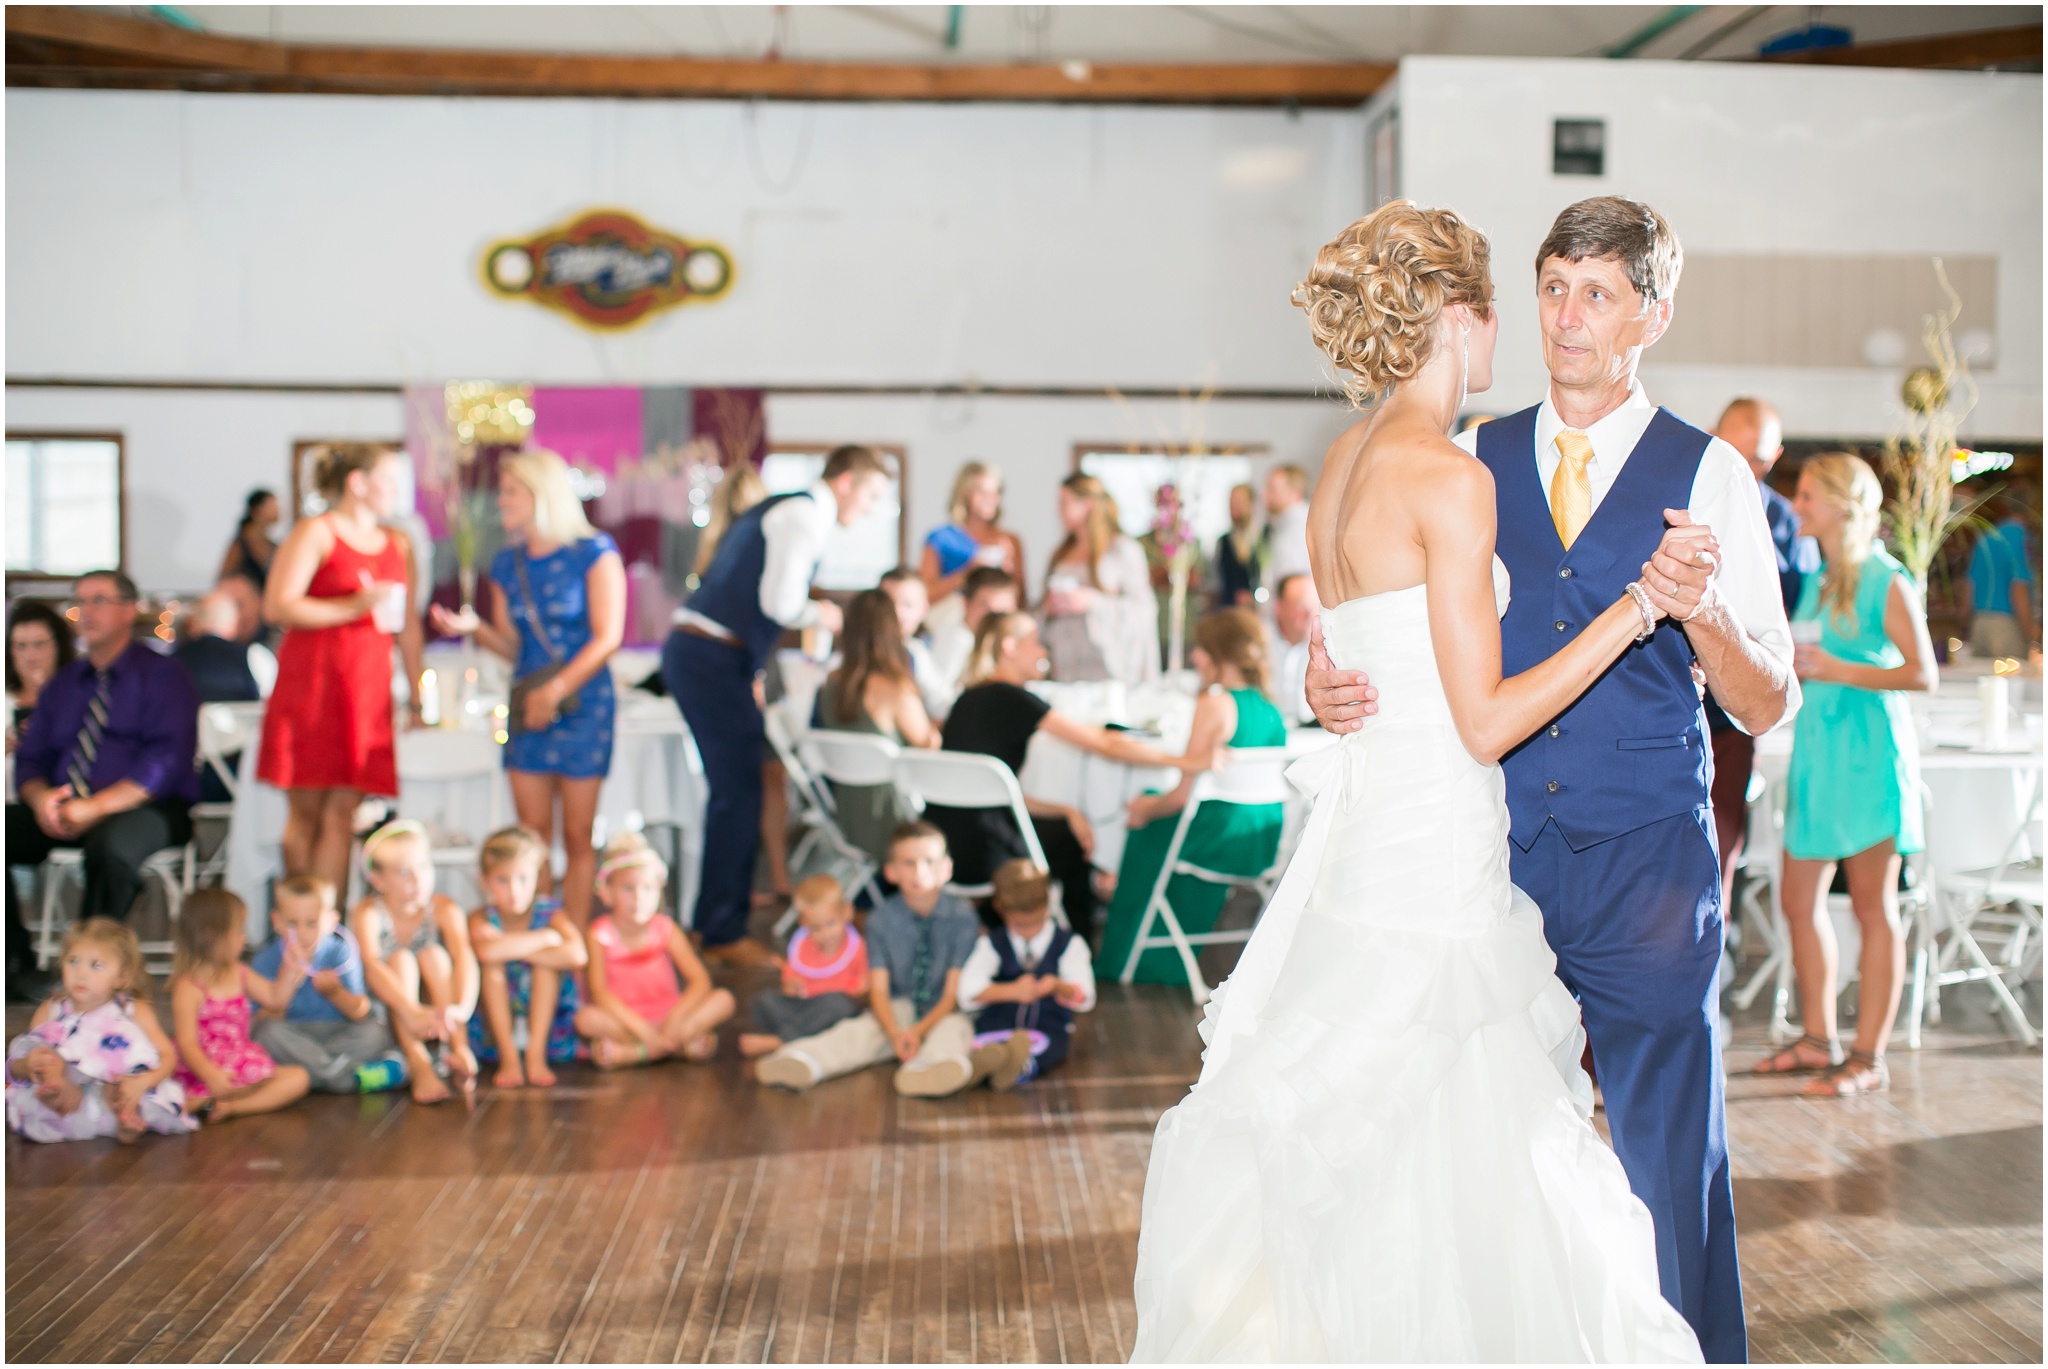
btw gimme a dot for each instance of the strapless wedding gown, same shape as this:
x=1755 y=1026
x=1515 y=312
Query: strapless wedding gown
x=1389 y=1153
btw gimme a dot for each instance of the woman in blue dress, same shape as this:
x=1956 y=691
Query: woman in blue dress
x=557 y=614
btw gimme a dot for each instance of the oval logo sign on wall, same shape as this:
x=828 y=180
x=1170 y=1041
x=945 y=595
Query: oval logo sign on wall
x=607 y=269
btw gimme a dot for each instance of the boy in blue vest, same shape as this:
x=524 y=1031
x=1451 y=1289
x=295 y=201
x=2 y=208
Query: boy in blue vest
x=1025 y=983
x=757 y=585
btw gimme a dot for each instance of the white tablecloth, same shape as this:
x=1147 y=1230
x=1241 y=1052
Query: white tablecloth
x=1978 y=797
x=656 y=778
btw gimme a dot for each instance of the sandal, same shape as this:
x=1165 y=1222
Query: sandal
x=1791 y=1060
x=1862 y=1072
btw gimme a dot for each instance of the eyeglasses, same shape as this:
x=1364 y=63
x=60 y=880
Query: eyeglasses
x=101 y=601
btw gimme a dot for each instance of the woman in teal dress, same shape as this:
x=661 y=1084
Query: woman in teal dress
x=1853 y=792
x=1239 y=839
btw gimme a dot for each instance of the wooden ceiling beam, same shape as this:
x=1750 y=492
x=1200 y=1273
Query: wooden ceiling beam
x=1982 y=48
x=55 y=46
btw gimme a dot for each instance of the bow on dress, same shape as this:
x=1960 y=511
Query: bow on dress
x=1333 y=779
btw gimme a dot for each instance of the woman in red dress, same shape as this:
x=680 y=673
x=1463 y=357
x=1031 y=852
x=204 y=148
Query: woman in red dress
x=341 y=587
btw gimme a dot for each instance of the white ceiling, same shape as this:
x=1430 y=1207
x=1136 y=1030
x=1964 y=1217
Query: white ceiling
x=1108 y=33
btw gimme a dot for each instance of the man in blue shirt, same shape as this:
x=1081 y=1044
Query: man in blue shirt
x=105 y=764
x=2001 y=588
x=1753 y=428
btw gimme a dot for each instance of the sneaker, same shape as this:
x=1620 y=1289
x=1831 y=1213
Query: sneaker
x=1015 y=1065
x=786 y=1071
x=385 y=1072
x=934 y=1081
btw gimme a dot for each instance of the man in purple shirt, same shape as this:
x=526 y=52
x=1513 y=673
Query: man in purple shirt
x=106 y=763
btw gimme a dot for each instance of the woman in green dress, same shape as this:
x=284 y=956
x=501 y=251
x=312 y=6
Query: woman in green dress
x=1239 y=839
x=873 y=690
x=1853 y=792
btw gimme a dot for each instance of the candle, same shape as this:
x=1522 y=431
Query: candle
x=1994 y=708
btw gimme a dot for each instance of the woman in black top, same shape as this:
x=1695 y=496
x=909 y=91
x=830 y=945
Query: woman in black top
x=997 y=716
x=1240 y=555
x=249 y=554
x=38 y=646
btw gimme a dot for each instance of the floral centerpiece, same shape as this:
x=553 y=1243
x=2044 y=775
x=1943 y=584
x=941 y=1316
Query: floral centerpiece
x=1920 y=460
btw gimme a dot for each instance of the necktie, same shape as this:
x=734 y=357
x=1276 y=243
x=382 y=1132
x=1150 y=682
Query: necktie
x=87 y=747
x=1571 y=494
x=923 y=993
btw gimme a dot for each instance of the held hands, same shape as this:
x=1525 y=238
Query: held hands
x=1342 y=699
x=1084 y=831
x=908 y=1042
x=1067 y=995
x=1680 y=576
x=328 y=984
x=1064 y=602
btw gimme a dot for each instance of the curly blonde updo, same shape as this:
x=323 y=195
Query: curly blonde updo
x=1377 y=288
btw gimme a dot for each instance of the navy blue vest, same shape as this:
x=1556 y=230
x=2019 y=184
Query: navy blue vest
x=1632 y=750
x=729 y=593
x=1045 y=1014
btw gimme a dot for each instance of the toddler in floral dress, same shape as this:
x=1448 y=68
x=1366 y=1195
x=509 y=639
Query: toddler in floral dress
x=225 y=1073
x=95 y=1061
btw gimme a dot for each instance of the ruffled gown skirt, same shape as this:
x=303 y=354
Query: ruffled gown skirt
x=1389 y=1154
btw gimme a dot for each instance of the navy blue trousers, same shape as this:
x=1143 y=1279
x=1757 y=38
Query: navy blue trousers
x=714 y=686
x=1636 y=924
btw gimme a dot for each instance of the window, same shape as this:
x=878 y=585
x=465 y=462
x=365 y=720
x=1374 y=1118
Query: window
x=856 y=558
x=1133 y=477
x=64 y=498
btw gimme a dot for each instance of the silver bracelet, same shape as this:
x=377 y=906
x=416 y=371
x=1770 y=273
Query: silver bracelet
x=1642 y=598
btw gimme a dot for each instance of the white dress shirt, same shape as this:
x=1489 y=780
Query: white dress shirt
x=263 y=665
x=1286 y=545
x=1724 y=498
x=1076 y=966
x=794 y=533
x=951 y=645
x=932 y=686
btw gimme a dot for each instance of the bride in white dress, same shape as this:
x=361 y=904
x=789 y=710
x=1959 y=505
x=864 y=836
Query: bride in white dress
x=1389 y=1154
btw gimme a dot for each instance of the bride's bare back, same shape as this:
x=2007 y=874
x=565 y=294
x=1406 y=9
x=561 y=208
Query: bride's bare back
x=1365 y=522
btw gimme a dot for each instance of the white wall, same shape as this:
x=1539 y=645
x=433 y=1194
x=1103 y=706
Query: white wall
x=336 y=238
x=1745 y=159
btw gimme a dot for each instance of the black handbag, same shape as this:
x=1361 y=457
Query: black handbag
x=515 y=706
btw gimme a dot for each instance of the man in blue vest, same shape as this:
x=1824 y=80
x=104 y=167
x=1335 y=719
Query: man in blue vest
x=1610 y=827
x=757 y=585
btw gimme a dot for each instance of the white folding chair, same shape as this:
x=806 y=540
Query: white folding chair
x=435 y=755
x=967 y=779
x=224 y=732
x=1763 y=853
x=850 y=758
x=814 y=806
x=2001 y=904
x=1254 y=775
x=66 y=865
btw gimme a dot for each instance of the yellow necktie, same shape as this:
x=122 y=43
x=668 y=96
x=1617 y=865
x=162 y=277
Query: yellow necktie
x=1571 y=494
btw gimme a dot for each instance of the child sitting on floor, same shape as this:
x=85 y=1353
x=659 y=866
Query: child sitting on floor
x=224 y=1072
x=639 y=1012
x=1025 y=983
x=95 y=1061
x=418 y=962
x=917 y=941
x=327 y=1025
x=529 y=951
x=825 y=978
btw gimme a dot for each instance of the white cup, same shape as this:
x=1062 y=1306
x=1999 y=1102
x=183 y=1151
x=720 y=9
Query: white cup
x=1806 y=632
x=388 y=613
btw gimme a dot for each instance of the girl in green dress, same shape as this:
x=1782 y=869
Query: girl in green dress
x=1853 y=791
x=1240 y=839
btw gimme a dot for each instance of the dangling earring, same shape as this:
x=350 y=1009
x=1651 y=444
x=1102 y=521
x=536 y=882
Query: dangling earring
x=1464 y=366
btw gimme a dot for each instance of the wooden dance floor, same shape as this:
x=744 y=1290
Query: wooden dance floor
x=683 y=1213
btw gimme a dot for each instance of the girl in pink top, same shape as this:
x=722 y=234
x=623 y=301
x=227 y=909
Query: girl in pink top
x=650 y=996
